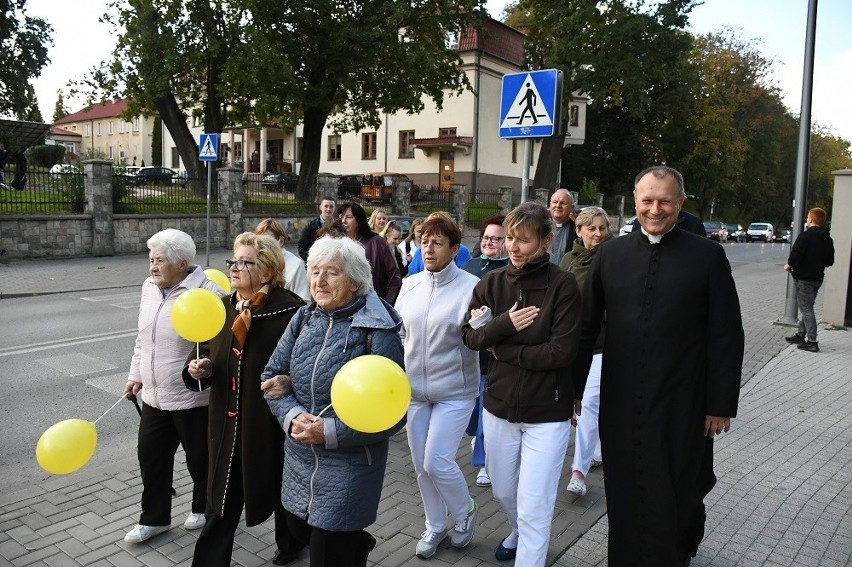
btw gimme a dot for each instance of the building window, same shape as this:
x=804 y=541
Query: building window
x=368 y=145
x=446 y=132
x=121 y=126
x=99 y=129
x=514 y=151
x=87 y=130
x=136 y=124
x=406 y=150
x=334 y=148
x=109 y=127
x=175 y=158
x=109 y=152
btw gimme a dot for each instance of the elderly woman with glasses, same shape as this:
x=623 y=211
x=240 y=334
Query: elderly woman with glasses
x=492 y=256
x=171 y=415
x=592 y=226
x=333 y=474
x=246 y=443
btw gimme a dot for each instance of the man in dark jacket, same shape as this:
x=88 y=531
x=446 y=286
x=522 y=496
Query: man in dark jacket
x=810 y=255
x=670 y=379
x=309 y=234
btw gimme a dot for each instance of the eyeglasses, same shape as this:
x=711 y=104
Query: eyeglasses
x=240 y=264
x=493 y=239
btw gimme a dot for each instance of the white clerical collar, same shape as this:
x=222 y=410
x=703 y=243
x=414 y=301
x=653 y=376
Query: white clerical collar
x=656 y=238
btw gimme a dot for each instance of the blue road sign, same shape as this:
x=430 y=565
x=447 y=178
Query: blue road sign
x=208 y=147
x=531 y=104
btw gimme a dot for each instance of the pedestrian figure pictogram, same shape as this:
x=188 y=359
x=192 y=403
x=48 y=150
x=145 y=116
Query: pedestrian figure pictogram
x=529 y=104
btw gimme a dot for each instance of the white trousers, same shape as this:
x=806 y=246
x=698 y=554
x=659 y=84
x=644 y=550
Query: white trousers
x=587 y=441
x=434 y=433
x=524 y=461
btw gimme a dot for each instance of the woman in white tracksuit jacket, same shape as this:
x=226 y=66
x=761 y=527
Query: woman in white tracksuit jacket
x=172 y=415
x=444 y=377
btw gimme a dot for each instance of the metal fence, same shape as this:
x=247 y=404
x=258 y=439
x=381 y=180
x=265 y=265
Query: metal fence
x=180 y=195
x=268 y=197
x=41 y=192
x=429 y=199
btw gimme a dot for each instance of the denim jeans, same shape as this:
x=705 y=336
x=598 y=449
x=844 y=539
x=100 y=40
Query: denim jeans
x=806 y=293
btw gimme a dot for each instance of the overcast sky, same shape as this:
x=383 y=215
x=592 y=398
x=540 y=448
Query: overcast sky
x=80 y=42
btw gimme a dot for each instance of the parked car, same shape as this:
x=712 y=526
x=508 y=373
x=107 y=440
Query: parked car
x=152 y=175
x=181 y=178
x=627 y=228
x=349 y=186
x=736 y=232
x=379 y=186
x=762 y=231
x=279 y=182
x=783 y=235
x=716 y=230
x=63 y=168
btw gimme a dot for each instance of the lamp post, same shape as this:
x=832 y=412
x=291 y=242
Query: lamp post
x=802 y=157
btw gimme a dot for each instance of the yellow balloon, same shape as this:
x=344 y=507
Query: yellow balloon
x=219 y=278
x=198 y=315
x=370 y=393
x=66 y=446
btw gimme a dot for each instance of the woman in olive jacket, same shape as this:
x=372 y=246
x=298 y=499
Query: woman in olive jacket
x=246 y=443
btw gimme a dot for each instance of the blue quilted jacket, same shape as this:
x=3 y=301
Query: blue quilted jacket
x=336 y=486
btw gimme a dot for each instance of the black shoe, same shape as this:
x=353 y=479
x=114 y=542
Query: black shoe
x=810 y=346
x=285 y=558
x=370 y=548
x=505 y=553
x=795 y=339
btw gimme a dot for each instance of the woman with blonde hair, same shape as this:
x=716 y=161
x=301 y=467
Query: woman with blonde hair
x=378 y=220
x=295 y=274
x=528 y=315
x=246 y=442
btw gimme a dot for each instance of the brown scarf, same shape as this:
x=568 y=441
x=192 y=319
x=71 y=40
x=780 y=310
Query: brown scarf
x=242 y=321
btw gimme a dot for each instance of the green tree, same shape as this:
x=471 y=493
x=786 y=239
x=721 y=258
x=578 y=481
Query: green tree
x=23 y=54
x=59 y=109
x=628 y=58
x=347 y=62
x=828 y=153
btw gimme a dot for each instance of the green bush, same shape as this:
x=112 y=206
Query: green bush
x=46 y=156
x=71 y=187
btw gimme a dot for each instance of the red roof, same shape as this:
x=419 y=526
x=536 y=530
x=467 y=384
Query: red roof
x=54 y=131
x=96 y=111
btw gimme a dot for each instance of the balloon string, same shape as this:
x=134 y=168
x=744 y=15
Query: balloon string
x=110 y=409
x=320 y=413
x=198 y=357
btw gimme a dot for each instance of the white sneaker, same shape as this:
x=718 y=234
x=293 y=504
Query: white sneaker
x=463 y=530
x=195 y=521
x=141 y=533
x=428 y=544
x=577 y=486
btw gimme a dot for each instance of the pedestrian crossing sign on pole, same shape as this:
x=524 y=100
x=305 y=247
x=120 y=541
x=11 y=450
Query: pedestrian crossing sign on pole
x=531 y=104
x=208 y=147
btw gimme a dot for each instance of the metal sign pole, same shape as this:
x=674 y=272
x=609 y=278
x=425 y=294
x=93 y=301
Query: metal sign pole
x=209 y=190
x=525 y=178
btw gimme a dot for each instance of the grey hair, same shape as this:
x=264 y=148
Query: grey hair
x=587 y=216
x=660 y=172
x=351 y=257
x=177 y=246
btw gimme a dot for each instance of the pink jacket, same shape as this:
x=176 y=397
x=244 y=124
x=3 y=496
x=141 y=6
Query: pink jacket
x=160 y=353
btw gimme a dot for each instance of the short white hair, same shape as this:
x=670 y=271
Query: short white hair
x=351 y=257
x=176 y=245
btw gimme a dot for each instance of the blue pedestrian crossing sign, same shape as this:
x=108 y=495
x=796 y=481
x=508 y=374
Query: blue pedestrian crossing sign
x=208 y=147
x=531 y=104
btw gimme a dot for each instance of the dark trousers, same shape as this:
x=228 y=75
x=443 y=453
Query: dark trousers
x=216 y=542
x=331 y=549
x=160 y=433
